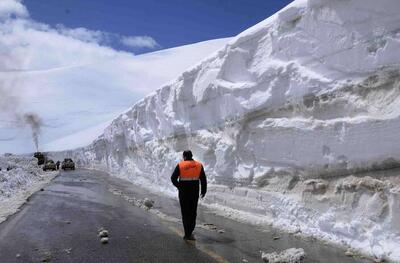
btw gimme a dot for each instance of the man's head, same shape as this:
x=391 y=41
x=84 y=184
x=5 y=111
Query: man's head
x=187 y=155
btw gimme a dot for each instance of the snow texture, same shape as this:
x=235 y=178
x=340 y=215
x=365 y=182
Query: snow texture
x=19 y=178
x=75 y=98
x=113 y=84
x=296 y=121
x=291 y=255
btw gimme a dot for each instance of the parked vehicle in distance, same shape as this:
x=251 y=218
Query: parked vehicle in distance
x=49 y=165
x=68 y=164
x=40 y=156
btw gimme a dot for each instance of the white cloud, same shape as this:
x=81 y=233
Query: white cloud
x=105 y=38
x=27 y=46
x=139 y=42
x=86 y=35
x=10 y=8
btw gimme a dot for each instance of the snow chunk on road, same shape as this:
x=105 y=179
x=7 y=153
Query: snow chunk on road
x=291 y=255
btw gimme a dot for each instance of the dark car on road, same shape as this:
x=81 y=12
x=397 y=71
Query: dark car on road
x=40 y=157
x=49 y=166
x=68 y=164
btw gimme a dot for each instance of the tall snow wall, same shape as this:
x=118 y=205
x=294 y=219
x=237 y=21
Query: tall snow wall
x=293 y=119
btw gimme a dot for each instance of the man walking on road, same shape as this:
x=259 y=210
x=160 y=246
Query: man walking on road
x=186 y=177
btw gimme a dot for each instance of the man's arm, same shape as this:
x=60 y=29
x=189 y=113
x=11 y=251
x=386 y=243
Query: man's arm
x=203 y=181
x=175 y=176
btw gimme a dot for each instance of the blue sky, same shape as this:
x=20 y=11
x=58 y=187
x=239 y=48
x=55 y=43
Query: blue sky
x=169 y=22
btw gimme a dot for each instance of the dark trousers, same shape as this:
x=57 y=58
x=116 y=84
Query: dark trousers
x=188 y=199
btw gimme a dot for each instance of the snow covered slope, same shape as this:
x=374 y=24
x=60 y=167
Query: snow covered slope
x=70 y=98
x=289 y=118
x=109 y=88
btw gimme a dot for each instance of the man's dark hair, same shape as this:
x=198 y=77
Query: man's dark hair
x=187 y=155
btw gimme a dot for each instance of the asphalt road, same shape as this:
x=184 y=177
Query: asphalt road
x=61 y=224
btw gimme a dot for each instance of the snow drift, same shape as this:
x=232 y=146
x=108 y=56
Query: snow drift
x=292 y=118
x=19 y=178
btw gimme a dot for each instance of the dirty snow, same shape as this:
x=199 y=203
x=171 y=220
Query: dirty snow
x=291 y=255
x=148 y=203
x=296 y=121
x=23 y=179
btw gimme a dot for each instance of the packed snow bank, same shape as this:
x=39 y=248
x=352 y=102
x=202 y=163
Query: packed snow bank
x=19 y=178
x=288 y=119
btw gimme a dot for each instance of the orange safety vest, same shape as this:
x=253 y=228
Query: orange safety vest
x=189 y=170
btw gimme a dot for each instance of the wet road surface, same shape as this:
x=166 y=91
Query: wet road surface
x=61 y=223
